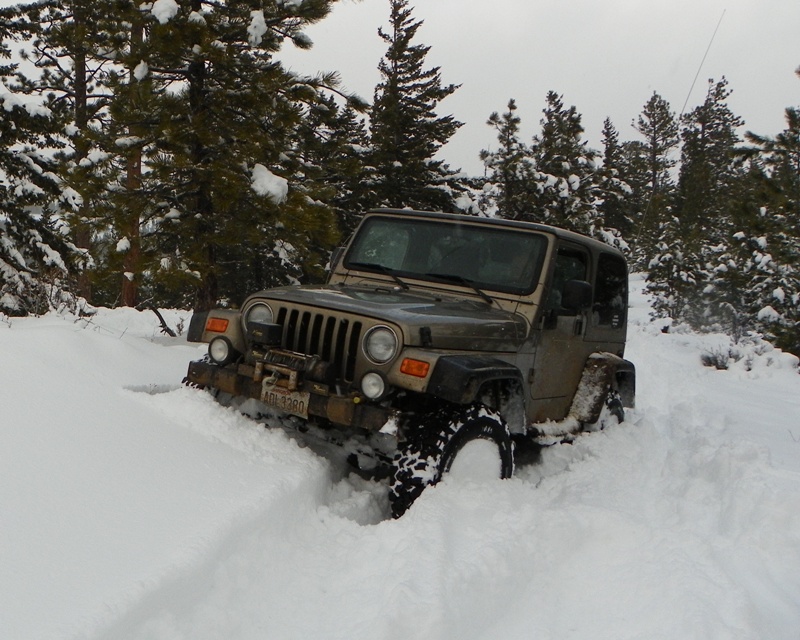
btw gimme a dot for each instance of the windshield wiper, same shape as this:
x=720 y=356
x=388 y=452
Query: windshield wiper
x=452 y=277
x=374 y=266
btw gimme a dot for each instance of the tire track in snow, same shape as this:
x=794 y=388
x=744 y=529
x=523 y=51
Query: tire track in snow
x=665 y=526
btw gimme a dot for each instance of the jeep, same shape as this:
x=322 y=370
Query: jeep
x=434 y=335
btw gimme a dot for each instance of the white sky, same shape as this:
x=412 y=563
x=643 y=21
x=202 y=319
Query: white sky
x=606 y=57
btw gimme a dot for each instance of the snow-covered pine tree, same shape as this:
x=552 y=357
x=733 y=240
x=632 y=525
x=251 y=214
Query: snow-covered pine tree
x=670 y=276
x=507 y=189
x=333 y=144
x=614 y=190
x=762 y=268
x=406 y=132
x=224 y=203
x=708 y=189
x=652 y=201
x=36 y=257
x=67 y=43
x=708 y=168
x=565 y=176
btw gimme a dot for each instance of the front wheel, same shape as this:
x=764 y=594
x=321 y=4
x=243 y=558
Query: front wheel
x=472 y=442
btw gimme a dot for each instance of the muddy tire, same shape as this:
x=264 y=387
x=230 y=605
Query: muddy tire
x=472 y=439
x=611 y=414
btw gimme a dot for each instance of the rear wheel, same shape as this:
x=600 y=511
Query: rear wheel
x=470 y=442
x=612 y=412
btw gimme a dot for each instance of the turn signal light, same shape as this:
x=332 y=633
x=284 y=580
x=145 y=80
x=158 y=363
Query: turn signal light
x=417 y=368
x=217 y=325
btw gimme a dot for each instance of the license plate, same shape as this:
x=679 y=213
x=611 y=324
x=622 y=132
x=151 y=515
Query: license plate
x=294 y=402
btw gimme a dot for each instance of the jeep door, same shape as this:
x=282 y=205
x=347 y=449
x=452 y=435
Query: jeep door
x=561 y=351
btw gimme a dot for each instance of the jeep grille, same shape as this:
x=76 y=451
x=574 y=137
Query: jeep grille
x=335 y=339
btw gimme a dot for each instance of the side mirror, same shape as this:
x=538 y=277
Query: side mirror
x=577 y=295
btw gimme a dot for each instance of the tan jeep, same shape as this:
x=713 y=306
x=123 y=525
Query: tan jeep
x=435 y=334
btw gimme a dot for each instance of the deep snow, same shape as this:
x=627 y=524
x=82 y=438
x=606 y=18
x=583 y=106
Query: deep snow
x=132 y=507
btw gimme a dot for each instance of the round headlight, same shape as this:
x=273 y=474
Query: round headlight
x=258 y=312
x=380 y=344
x=373 y=386
x=220 y=350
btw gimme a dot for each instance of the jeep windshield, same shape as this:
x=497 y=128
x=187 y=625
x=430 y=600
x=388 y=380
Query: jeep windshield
x=474 y=255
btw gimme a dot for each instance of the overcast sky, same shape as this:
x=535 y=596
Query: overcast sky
x=606 y=57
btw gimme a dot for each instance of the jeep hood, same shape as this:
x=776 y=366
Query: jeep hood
x=454 y=323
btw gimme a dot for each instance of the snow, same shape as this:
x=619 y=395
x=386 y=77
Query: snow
x=257 y=27
x=266 y=183
x=769 y=314
x=11 y=100
x=164 y=10
x=141 y=70
x=132 y=507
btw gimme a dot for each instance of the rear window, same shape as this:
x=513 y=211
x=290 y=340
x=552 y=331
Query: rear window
x=611 y=291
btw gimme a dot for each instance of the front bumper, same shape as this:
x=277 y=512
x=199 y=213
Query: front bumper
x=306 y=399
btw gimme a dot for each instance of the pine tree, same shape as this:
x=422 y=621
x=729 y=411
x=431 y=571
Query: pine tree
x=225 y=204
x=333 y=144
x=613 y=186
x=761 y=268
x=708 y=167
x=506 y=192
x=565 y=180
x=708 y=189
x=658 y=125
x=67 y=41
x=406 y=132
x=36 y=258
x=779 y=158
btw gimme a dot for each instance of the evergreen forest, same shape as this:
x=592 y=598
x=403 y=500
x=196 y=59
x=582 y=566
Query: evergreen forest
x=161 y=155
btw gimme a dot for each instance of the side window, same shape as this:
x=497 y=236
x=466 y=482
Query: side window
x=611 y=291
x=571 y=264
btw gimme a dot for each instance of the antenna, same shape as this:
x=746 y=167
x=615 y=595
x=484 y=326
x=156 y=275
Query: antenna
x=683 y=110
x=710 y=42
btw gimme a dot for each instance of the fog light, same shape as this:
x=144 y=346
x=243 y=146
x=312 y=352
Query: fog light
x=220 y=351
x=373 y=386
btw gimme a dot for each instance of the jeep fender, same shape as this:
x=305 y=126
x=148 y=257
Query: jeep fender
x=603 y=372
x=229 y=326
x=461 y=379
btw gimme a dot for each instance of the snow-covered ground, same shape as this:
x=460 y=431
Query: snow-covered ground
x=132 y=507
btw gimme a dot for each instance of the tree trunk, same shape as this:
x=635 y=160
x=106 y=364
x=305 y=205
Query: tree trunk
x=83 y=232
x=133 y=182
x=208 y=290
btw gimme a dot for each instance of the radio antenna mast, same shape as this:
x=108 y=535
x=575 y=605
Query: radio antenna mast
x=683 y=110
x=705 y=55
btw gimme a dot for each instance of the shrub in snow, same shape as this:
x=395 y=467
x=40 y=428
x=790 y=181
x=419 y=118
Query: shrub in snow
x=751 y=352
